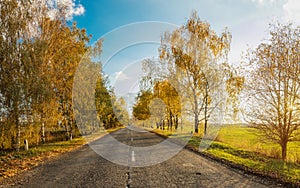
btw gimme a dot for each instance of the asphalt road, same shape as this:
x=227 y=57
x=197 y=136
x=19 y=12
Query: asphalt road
x=85 y=168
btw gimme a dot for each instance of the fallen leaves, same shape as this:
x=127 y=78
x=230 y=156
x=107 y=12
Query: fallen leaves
x=16 y=163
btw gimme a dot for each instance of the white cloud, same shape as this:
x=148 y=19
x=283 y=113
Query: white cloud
x=292 y=10
x=262 y=2
x=69 y=7
x=79 y=10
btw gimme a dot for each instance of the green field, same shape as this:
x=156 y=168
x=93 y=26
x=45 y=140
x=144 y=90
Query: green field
x=250 y=140
x=244 y=146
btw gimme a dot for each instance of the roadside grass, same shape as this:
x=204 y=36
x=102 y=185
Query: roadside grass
x=12 y=163
x=242 y=147
x=257 y=163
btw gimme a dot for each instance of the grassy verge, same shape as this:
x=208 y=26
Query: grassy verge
x=13 y=163
x=250 y=161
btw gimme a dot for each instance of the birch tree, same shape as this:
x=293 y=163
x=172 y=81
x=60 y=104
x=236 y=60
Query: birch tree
x=38 y=56
x=191 y=55
x=13 y=27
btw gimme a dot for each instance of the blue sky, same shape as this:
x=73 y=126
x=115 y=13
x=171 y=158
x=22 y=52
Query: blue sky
x=103 y=16
x=247 y=20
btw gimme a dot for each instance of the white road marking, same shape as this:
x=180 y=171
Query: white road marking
x=132 y=156
x=187 y=164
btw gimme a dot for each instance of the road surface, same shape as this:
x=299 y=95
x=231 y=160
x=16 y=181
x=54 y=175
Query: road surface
x=85 y=168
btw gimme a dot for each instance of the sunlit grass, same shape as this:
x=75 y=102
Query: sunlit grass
x=250 y=140
x=288 y=171
x=244 y=146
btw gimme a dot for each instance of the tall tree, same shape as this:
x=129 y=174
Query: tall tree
x=14 y=21
x=86 y=77
x=191 y=55
x=56 y=52
x=38 y=59
x=273 y=87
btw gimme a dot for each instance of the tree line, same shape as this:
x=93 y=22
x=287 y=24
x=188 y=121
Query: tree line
x=39 y=55
x=192 y=77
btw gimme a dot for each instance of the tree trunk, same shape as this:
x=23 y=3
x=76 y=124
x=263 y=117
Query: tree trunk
x=71 y=130
x=43 y=133
x=26 y=145
x=205 y=109
x=205 y=126
x=176 y=122
x=18 y=136
x=67 y=131
x=171 y=120
x=18 y=126
x=196 y=111
x=196 y=123
x=283 y=150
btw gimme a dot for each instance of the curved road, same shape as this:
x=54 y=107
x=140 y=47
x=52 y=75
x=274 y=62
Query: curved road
x=85 y=168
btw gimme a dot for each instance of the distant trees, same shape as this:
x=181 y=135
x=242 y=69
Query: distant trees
x=272 y=87
x=84 y=85
x=111 y=111
x=95 y=104
x=141 y=109
x=171 y=99
x=161 y=103
x=121 y=111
